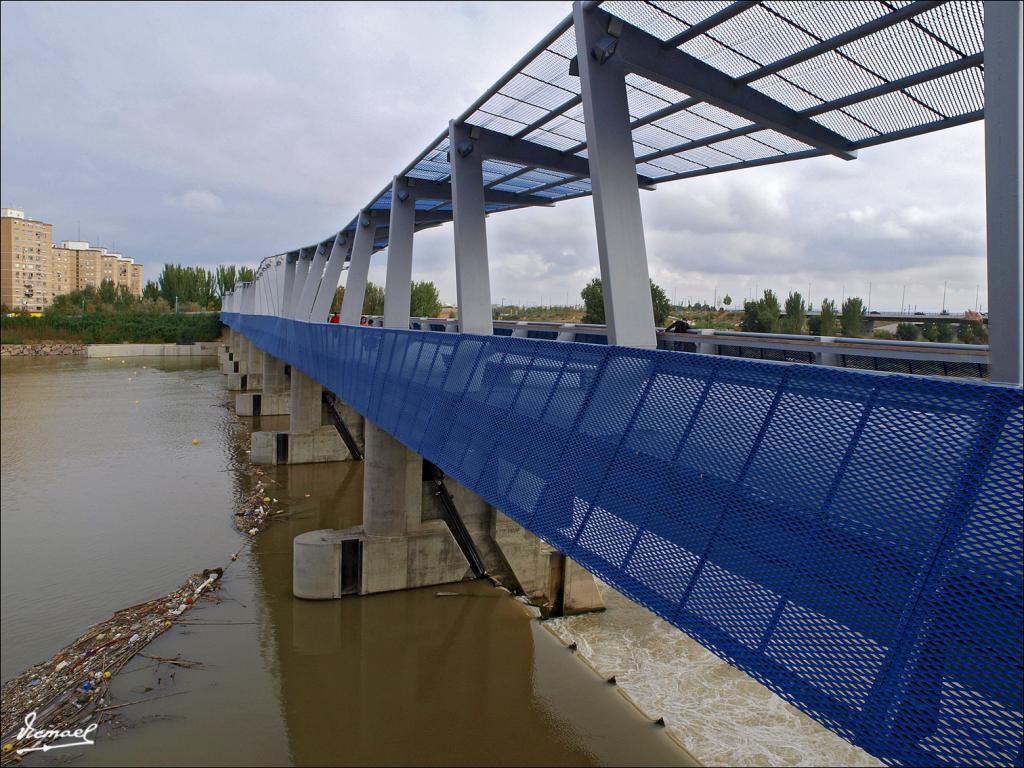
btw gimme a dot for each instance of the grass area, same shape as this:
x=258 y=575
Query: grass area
x=111 y=328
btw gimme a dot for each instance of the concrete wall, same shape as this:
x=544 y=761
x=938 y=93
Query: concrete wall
x=202 y=349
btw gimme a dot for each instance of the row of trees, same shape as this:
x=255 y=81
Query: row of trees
x=764 y=315
x=197 y=286
x=425 y=301
x=177 y=286
x=971 y=331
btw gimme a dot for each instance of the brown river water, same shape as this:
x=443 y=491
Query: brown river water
x=106 y=502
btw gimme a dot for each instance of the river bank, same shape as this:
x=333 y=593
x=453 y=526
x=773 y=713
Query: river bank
x=61 y=349
x=42 y=349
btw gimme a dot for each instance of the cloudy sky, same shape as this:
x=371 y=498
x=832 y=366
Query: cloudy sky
x=210 y=133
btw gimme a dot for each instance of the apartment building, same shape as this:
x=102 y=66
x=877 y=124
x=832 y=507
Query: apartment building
x=33 y=270
x=25 y=246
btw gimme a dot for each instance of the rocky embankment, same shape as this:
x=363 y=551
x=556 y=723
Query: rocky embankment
x=41 y=349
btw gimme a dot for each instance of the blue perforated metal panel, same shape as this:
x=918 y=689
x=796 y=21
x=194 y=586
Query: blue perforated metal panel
x=850 y=539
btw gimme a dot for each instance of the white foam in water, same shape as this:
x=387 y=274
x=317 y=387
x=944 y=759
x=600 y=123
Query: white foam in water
x=720 y=714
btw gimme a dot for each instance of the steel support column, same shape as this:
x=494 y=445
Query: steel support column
x=628 y=310
x=313 y=278
x=301 y=272
x=1003 y=187
x=472 y=274
x=290 y=260
x=329 y=283
x=398 y=284
x=249 y=301
x=359 y=267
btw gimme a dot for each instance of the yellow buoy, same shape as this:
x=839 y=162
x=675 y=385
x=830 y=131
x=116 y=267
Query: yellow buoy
x=8 y=748
x=195 y=441
x=136 y=402
x=107 y=675
x=266 y=499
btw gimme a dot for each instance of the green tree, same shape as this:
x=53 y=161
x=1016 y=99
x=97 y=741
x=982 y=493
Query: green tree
x=727 y=300
x=931 y=331
x=853 y=317
x=660 y=304
x=187 y=285
x=973 y=331
x=107 y=292
x=151 y=292
x=339 y=296
x=593 y=303
x=827 y=324
x=226 y=277
x=907 y=332
x=796 y=315
x=373 y=300
x=426 y=302
x=246 y=274
x=761 y=316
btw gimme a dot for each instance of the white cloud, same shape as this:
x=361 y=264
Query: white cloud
x=202 y=200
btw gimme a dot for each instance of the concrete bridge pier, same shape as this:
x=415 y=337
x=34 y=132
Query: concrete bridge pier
x=250 y=369
x=312 y=436
x=230 y=358
x=274 y=396
x=408 y=540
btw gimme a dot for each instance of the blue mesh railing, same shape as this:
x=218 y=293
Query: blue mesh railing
x=850 y=539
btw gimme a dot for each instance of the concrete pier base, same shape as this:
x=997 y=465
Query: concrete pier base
x=261 y=403
x=244 y=382
x=310 y=438
x=328 y=564
x=274 y=395
x=322 y=444
x=405 y=541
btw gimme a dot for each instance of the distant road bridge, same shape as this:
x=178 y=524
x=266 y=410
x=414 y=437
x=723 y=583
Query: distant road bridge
x=851 y=539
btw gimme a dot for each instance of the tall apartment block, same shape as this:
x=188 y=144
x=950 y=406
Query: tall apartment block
x=33 y=270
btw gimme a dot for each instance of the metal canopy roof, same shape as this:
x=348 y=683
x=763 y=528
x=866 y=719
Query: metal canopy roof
x=713 y=87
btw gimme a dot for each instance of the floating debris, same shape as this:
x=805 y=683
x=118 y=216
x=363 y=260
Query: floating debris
x=67 y=691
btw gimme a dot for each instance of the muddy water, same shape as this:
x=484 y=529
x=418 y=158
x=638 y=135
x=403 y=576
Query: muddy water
x=106 y=502
x=720 y=714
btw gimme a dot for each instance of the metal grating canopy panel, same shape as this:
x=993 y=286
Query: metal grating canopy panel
x=870 y=71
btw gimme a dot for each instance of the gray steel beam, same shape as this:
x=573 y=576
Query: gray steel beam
x=290 y=260
x=890 y=19
x=442 y=190
x=709 y=23
x=472 y=274
x=561 y=109
x=620 y=230
x=329 y=283
x=312 y=285
x=1003 y=179
x=503 y=147
x=301 y=273
x=854 y=98
x=355 y=286
x=642 y=53
x=398 y=282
